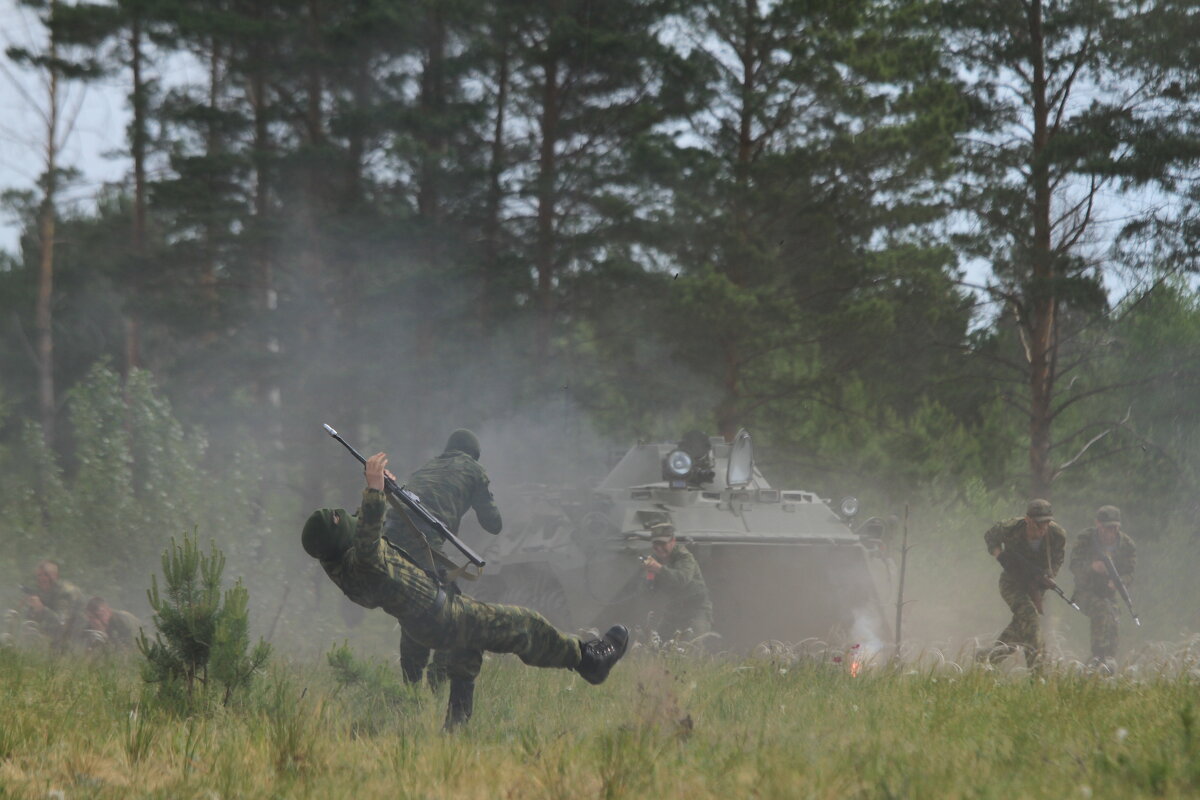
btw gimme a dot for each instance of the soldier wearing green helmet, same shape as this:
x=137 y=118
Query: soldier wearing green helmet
x=449 y=485
x=1094 y=589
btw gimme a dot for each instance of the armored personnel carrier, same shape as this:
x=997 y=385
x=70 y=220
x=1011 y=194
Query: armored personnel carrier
x=780 y=564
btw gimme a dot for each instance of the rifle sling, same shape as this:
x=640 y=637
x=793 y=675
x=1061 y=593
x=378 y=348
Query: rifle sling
x=452 y=571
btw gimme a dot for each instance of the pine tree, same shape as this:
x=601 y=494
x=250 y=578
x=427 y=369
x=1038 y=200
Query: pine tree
x=1068 y=113
x=201 y=636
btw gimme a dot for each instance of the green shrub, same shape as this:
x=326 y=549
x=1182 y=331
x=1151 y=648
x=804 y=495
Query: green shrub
x=202 y=637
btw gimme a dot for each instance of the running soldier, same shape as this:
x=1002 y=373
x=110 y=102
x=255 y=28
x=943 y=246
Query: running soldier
x=1031 y=550
x=449 y=486
x=1094 y=590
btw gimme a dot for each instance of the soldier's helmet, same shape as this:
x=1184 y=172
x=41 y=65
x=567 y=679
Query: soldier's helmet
x=323 y=537
x=1039 y=510
x=1108 y=514
x=465 y=441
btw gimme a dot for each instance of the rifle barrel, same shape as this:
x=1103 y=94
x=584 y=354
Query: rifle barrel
x=413 y=502
x=1122 y=589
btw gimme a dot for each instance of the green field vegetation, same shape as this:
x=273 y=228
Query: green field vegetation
x=663 y=726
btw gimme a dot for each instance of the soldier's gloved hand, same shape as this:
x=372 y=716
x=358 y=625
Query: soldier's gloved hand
x=1098 y=566
x=1044 y=582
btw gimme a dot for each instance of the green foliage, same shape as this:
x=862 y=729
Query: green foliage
x=136 y=473
x=661 y=726
x=199 y=638
x=372 y=696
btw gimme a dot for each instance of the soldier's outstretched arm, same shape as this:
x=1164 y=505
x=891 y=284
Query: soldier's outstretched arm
x=673 y=577
x=370 y=516
x=485 y=508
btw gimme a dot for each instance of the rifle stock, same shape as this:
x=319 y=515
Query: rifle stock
x=415 y=505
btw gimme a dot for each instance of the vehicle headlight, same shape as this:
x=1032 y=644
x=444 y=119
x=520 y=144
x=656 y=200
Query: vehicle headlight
x=679 y=463
x=849 y=506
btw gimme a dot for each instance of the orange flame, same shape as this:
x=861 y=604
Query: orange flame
x=855 y=666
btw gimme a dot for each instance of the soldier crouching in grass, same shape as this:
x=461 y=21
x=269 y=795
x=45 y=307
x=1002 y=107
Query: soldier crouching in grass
x=109 y=628
x=1094 y=588
x=1031 y=550
x=375 y=575
x=55 y=605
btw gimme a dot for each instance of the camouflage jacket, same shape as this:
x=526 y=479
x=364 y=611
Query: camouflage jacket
x=1087 y=550
x=448 y=486
x=121 y=634
x=63 y=611
x=373 y=574
x=680 y=583
x=1010 y=534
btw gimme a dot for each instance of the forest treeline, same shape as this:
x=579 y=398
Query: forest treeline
x=917 y=248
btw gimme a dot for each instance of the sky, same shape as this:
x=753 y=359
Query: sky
x=97 y=135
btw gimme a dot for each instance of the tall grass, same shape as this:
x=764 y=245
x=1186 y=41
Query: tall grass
x=663 y=726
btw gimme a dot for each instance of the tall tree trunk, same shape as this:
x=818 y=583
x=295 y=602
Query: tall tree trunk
x=1042 y=311
x=44 y=314
x=544 y=255
x=495 y=194
x=138 y=138
x=266 y=385
x=433 y=104
x=212 y=146
x=728 y=409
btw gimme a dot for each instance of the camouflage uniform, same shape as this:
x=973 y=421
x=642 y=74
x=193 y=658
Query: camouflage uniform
x=1092 y=590
x=448 y=486
x=374 y=575
x=1025 y=629
x=122 y=631
x=684 y=594
x=62 y=617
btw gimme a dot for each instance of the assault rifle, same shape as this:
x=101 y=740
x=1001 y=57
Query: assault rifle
x=414 y=504
x=1018 y=564
x=1122 y=590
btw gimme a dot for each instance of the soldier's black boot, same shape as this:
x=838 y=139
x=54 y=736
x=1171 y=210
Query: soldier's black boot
x=598 y=656
x=462 y=703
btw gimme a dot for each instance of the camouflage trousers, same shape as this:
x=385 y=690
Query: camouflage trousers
x=1025 y=630
x=465 y=628
x=1103 y=612
x=414 y=655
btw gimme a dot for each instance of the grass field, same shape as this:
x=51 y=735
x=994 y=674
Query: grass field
x=663 y=726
